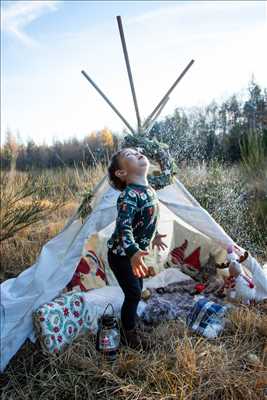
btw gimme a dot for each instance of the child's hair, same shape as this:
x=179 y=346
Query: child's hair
x=114 y=165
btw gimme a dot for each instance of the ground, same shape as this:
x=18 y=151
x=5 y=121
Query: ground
x=181 y=365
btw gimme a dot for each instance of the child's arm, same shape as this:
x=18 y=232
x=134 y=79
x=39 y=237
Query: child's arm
x=127 y=207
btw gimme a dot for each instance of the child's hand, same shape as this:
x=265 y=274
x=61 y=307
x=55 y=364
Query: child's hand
x=157 y=241
x=140 y=270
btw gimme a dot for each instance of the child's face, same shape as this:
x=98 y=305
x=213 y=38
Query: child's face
x=133 y=162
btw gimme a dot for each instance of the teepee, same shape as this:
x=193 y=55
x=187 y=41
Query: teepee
x=181 y=218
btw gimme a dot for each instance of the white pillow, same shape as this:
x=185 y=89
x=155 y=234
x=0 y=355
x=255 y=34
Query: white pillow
x=164 y=278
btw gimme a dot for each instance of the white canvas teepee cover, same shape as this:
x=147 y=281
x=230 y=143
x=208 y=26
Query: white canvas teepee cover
x=58 y=259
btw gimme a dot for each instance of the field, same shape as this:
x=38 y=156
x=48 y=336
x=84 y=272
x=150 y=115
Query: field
x=184 y=366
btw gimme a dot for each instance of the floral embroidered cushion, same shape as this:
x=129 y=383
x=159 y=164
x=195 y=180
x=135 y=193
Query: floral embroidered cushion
x=60 y=321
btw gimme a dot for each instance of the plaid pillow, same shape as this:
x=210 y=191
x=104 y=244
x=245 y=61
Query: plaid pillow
x=207 y=318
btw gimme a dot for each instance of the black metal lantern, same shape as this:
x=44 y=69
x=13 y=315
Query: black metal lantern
x=108 y=335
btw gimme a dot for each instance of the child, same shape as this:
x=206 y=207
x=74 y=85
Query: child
x=138 y=213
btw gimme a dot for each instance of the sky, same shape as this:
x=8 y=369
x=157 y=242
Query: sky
x=46 y=44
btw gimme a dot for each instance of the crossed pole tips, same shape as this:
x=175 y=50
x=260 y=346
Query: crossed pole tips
x=151 y=123
x=151 y=119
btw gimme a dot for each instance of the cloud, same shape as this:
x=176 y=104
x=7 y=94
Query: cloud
x=16 y=16
x=185 y=8
x=226 y=42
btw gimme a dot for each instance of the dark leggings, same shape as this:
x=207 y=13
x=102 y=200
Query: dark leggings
x=131 y=286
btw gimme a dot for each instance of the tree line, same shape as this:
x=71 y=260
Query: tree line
x=216 y=131
x=197 y=134
x=94 y=148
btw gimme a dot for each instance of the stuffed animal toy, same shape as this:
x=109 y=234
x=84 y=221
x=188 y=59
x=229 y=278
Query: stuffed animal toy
x=209 y=277
x=206 y=275
x=243 y=286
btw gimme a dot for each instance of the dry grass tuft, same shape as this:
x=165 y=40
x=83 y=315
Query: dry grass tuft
x=245 y=320
x=180 y=366
x=21 y=251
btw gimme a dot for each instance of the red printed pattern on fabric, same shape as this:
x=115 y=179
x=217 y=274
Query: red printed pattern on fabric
x=178 y=256
x=84 y=269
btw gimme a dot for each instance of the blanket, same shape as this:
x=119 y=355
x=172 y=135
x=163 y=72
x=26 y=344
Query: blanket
x=175 y=301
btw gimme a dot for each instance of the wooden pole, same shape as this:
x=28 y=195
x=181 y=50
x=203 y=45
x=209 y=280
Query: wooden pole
x=127 y=61
x=108 y=101
x=152 y=122
x=147 y=121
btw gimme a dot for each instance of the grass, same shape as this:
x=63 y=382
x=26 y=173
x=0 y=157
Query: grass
x=21 y=206
x=227 y=194
x=49 y=196
x=181 y=366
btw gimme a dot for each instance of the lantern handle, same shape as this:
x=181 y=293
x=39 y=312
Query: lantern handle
x=109 y=304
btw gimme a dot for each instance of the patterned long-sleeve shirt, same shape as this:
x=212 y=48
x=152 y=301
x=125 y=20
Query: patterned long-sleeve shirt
x=138 y=212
